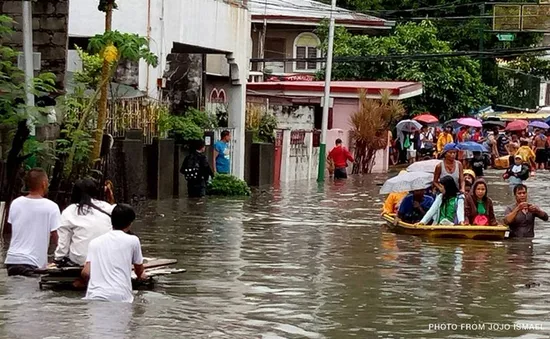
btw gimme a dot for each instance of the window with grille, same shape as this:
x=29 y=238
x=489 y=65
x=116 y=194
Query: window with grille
x=306 y=46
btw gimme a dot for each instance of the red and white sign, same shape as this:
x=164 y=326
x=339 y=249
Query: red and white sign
x=291 y=77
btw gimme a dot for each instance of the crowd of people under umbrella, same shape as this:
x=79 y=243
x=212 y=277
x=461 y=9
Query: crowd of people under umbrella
x=444 y=184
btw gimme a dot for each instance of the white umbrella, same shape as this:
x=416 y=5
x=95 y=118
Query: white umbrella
x=409 y=126
x=426 y=166
x=407 y=182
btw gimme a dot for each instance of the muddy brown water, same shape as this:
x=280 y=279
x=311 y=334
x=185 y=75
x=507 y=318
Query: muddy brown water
x=307 y=261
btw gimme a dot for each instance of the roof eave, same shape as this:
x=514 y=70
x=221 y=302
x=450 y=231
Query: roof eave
x=301 y=21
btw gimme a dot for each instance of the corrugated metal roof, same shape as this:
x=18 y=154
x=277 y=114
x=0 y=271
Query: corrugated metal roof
x=310 y=11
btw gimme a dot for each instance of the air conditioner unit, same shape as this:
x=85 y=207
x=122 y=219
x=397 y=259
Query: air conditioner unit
x=37 y=61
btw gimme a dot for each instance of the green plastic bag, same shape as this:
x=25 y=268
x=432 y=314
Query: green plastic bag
x=407 y=142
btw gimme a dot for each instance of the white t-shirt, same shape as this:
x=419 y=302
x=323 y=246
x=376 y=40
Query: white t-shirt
x=32 y=221
x=77 y=230
x=111 y=257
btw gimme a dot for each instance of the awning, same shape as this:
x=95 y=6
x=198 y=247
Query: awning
x=524 y=116
x=399 y=90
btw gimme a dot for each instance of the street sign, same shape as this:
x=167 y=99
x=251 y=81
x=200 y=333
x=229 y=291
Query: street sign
x=506 y=36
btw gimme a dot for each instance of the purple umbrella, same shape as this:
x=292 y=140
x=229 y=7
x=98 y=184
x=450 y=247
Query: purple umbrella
x=539 y=124
x=470 y=122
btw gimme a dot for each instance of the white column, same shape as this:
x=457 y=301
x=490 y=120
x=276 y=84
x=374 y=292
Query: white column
x=285 y=157
x=309 y=143
x=237 y=113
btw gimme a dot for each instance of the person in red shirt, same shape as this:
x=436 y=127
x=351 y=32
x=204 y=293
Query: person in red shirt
x=340 y=156
x=461 y=133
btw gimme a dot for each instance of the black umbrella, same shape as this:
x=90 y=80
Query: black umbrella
x=493 y=123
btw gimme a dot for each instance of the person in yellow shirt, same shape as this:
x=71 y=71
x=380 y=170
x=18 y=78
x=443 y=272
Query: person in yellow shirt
x=527 y=154
x=393 y=200
x=445 y=138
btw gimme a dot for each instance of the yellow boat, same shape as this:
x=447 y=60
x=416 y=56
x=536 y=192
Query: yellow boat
x=443 y=231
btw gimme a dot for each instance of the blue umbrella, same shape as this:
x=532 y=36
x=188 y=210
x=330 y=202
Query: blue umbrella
x=471 y=146
x=450 y=147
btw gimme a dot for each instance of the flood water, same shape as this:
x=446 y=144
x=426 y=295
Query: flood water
x=307 y=261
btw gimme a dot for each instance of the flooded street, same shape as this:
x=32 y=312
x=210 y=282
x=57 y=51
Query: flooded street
x=307 y=261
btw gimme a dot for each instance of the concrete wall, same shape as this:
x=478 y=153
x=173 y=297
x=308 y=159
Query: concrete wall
x=49 y=32
x=293 y=117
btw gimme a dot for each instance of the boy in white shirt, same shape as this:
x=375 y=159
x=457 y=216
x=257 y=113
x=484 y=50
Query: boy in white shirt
x=110 y=258
x=34 y=220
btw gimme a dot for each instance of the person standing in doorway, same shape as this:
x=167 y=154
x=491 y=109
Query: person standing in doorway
x=340 y=155
x=34 y=221
x=196 y=171
x=222 y=160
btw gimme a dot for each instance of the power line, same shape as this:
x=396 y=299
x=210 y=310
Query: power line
x=499 y=53
x=320 y=10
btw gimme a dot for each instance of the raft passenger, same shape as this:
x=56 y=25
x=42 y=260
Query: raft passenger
x=469 y=179
x=391 y=205
x=449 y=167
x=448 y=207
x=414 y=206
x=84 y=220
x=479 y=207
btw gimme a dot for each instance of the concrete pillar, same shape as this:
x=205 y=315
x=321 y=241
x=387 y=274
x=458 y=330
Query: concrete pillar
x=285 y=162
x=237 y=112
x=309 y=143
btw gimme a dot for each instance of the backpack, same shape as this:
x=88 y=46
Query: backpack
x=190 y=168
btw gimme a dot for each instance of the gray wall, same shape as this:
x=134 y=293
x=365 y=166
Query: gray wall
x=50 y=20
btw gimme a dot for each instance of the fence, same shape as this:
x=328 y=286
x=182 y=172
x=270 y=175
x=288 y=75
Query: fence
x=136 y=113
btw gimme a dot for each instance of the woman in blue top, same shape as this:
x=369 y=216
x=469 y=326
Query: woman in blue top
x=448 y=207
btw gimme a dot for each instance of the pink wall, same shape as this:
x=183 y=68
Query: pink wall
x=342 y=111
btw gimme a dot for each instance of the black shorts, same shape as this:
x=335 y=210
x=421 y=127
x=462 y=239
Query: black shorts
x=541 y=156
x=340 y=173
x=20 y=269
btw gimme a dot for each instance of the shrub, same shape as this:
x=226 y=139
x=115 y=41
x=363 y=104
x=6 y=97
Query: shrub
x=189 y=127
x=228 y=185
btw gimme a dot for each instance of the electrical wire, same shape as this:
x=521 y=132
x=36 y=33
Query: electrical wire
x=323 y=8
x=499 y=53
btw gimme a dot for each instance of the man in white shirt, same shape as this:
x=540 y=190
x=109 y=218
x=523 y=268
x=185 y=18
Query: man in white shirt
x=34 y=220
x=110 y=258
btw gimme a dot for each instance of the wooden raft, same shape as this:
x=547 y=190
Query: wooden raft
x=65 y=277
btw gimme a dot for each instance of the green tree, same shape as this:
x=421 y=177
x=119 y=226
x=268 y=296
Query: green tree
x=452 y=86
x=113 y=46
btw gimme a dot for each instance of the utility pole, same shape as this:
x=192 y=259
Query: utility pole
x=326 y=98
x=28 y=57
x=481 y=36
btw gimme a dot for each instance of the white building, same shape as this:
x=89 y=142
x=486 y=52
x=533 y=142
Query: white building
x=219 y=28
